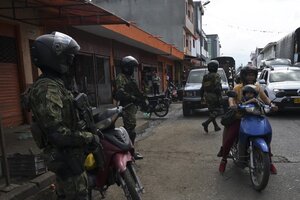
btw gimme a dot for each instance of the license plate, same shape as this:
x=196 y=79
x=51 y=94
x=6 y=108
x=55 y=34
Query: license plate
x=297 y=100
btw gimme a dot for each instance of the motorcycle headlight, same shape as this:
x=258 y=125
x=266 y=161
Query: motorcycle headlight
x=250 y=109
x=267 y=109
x=253 y=110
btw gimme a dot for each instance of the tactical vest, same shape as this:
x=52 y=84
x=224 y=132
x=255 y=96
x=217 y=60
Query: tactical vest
x=209 y=83
x=39 y=132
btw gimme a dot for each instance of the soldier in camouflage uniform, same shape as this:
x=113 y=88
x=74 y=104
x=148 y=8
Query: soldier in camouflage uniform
x=211 y=90
x=127 y=92
x=55 y=118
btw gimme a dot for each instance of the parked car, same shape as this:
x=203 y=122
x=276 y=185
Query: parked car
x=282 y=79
x=191 y=93
x=275 y=62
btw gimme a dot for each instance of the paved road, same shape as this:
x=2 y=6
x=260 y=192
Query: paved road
x=181 y=164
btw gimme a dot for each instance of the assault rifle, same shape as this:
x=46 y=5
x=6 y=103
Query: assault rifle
x=86 y=120
x=86 y=123
x=140 y=97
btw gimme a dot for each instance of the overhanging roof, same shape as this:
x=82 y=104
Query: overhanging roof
x=57 y=12
x=136 y=37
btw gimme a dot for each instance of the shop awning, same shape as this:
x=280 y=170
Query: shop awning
x=58 y=12
x=134 y=36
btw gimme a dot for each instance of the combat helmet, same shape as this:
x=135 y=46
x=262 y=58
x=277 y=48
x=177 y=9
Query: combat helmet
x=54 y=52
x=213 y=66
x=128 y=64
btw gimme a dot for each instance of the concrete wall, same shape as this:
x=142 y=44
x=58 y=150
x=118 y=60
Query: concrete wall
x=213 y=45
x=163 y=18
x=27 y=32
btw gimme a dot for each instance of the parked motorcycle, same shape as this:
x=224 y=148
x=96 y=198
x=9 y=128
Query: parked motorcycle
x=171 y=92
x=252 y=146
x=157 y=105
x=119 y=161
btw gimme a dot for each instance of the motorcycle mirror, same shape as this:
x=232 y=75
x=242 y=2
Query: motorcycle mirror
x=280 y=94
x=231 y=93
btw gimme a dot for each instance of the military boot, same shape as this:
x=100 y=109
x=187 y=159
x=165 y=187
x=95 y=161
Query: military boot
x=205 y=125
x=217 y=128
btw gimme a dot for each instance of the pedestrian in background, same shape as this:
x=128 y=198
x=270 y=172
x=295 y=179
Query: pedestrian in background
x=155 y=84
x=211 y=91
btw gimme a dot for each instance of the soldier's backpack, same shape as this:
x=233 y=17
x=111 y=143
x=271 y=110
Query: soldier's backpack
x=208 y=83
x=38 y=135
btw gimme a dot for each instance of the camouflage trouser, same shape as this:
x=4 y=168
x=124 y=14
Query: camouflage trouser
x=129 y=121
x=214 y=109
x=72 y=188
x=213 y=104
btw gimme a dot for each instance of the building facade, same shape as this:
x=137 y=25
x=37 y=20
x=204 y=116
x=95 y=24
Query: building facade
x=214 y=46
x=104 y=39
x=177 y=22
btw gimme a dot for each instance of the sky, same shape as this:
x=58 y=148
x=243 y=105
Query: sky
x=244 y=25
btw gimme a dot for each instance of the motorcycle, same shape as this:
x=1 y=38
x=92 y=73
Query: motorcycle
x=118 y=167
x=171 y=92
x=252 y=146
x=156 y=105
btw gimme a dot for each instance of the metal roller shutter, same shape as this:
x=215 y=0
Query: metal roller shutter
x=10 y=107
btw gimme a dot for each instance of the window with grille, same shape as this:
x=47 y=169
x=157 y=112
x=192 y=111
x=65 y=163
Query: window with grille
x=8 y=50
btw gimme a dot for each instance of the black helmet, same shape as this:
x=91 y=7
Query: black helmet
x=54 y=52
x=250 y=89
x=213 y=66
x=247 y=70
x=128 y=64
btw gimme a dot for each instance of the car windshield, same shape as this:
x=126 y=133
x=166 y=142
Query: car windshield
x=197 y=76
x=280 y=76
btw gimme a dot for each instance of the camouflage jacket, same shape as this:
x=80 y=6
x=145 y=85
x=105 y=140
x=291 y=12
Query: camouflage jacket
x=127 y=90
x=211 y=83
x=53 y=109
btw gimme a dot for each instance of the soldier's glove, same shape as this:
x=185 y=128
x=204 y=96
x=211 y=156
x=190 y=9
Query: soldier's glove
x=95 y=143
x=135 y=100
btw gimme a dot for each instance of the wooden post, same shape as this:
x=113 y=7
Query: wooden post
x=4 y=158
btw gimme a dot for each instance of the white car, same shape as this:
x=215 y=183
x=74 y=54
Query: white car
x=285 y=78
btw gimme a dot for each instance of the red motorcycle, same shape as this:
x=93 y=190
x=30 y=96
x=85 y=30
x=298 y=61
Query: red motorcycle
x=118 y=167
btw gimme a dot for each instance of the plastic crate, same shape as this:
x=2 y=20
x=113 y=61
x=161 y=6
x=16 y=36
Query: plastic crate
x=26 y=165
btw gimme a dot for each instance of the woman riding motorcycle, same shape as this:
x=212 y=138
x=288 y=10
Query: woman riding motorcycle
x=248 y=75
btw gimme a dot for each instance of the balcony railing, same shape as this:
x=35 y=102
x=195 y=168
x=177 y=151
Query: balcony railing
x=189 y=25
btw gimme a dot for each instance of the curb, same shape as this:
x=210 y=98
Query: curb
x=30 y=188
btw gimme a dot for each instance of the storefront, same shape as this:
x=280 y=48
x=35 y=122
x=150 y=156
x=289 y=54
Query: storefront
x=10 y=107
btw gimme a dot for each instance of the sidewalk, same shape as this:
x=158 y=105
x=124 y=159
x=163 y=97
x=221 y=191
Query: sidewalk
x=19 y=140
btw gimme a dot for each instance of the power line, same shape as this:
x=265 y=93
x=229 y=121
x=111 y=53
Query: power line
x=249 y=29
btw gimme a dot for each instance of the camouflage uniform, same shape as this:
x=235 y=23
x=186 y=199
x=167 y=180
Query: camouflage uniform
x=53 y=111
x=127 y=92
x=211 y=91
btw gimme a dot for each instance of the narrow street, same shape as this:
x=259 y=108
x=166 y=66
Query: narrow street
x=180 y=163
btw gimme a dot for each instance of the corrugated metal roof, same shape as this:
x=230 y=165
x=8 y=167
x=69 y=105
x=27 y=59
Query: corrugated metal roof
x=58 y=13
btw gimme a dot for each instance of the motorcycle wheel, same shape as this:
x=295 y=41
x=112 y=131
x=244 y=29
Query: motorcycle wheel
x=234 y=153
x=261 y=172
x=130 y=189
x=161 y=109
